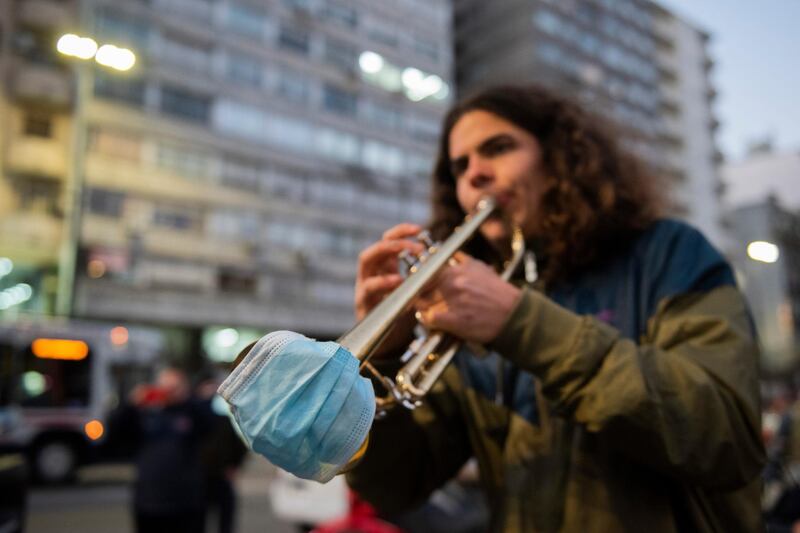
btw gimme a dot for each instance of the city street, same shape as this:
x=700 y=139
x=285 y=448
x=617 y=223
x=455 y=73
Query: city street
x=100 y=502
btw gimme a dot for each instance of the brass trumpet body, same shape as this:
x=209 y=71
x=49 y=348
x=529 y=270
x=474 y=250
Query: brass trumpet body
x=431 y=351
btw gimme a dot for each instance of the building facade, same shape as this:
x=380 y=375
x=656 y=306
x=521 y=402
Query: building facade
x=232 y=176
x=632 y=62
x=767 y=261
x=762 y=205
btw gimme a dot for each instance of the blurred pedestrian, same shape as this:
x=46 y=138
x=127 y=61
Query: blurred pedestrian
x=165 y=425
x=781 y=497
x=222 y=453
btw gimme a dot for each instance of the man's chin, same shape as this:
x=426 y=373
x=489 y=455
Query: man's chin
x=496 y=233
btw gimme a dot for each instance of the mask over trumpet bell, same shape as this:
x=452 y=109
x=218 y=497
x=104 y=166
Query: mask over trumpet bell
x=300 y=403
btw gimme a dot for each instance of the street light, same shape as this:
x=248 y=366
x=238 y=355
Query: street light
x=76 y=46
x=107 y=55
x=763 y=251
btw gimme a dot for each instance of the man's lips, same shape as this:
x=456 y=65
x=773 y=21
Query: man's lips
x=503 y=199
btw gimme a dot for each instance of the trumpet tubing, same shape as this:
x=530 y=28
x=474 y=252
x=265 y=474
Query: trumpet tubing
x=430 y=353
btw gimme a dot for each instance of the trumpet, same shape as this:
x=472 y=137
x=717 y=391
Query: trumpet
x=431 y=351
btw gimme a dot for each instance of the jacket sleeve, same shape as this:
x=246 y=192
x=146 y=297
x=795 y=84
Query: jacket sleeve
x=412 y=453
x=683 y=401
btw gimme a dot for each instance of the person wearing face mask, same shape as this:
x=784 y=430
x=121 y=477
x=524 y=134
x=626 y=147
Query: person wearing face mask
x=619 y=391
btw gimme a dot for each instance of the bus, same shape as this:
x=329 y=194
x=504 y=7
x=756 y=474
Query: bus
x=58 y=381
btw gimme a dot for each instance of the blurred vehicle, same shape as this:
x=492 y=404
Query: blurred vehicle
x=57 y=380
x=307 y=503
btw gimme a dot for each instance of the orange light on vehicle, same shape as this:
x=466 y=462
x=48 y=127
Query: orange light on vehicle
x=119 y=335
x=70 y=350
x=94 y=429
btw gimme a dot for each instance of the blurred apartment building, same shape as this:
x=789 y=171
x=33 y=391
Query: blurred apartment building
x=232 y=176
x=763 y=211
x=631 y=61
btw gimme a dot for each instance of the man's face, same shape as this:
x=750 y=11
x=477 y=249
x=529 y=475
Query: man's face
x=174 y=384
x=491 y=156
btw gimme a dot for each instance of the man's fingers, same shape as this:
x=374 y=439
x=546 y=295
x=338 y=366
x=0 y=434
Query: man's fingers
x=378 y=284
x=438 y=317
x=377 y=253
x=370 y=291
x=402 y=231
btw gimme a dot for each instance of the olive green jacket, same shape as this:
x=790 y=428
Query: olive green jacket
x=578 y=427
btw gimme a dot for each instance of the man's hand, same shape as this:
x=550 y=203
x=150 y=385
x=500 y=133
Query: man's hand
x=378 y=275
x=469 y=300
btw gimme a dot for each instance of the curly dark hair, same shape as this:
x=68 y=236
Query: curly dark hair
x=597 y=197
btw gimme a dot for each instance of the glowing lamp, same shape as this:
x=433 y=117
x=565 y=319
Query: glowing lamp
x=65 y=349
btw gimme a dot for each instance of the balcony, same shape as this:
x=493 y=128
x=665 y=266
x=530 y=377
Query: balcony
x=31 y=236
x=186 y=246
x=187 y=9
x=38 y=157
x=42 y=84
x=46 y=13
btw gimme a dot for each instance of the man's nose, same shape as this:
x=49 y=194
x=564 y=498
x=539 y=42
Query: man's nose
x=479 y=173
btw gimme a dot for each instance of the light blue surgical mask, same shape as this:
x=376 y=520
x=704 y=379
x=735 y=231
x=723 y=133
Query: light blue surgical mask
x=300 y=403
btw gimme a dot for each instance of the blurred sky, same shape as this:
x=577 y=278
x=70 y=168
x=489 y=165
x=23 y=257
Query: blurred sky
x=756 y=46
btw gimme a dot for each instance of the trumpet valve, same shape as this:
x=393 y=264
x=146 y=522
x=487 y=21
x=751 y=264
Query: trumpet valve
x=424 y=237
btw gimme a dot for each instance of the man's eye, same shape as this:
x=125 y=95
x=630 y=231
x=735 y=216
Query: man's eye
x=499 y=147
x=457 y=168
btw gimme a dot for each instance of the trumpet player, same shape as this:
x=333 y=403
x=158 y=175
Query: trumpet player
x=620 y=392
x=610 y=385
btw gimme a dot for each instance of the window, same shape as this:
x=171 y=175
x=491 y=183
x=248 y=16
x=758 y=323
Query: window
x=39 y=195
x=416 y=164
x=183 y=104
x=293 y=86
x=382 y=157
x=302 y=5
x=38 y=124
x=186 y=54
x=290 y=235
x=233 y=225
x=423 y=128
x=340 y=54
x=244 y=69
x=230 y=280
x=286 y=183
x=106 y=202
x=173 y=218
x=295 y=134
x=192 y=164
x=332 y=193
x=587 y=13
x=337 y=144
x=240 y=119
x=35 y=46
x=340 y=14
x=426 y=48
x=116 y=144
x=202 y=10
x=332 y=293
x=129 y=91
x=245 y=20
x=294 y=39
x=118 y=28
x=382 y=33
x=251 y=122
x=241 y=174
x=57 y=383
x=339 y=101
x=381 y=115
